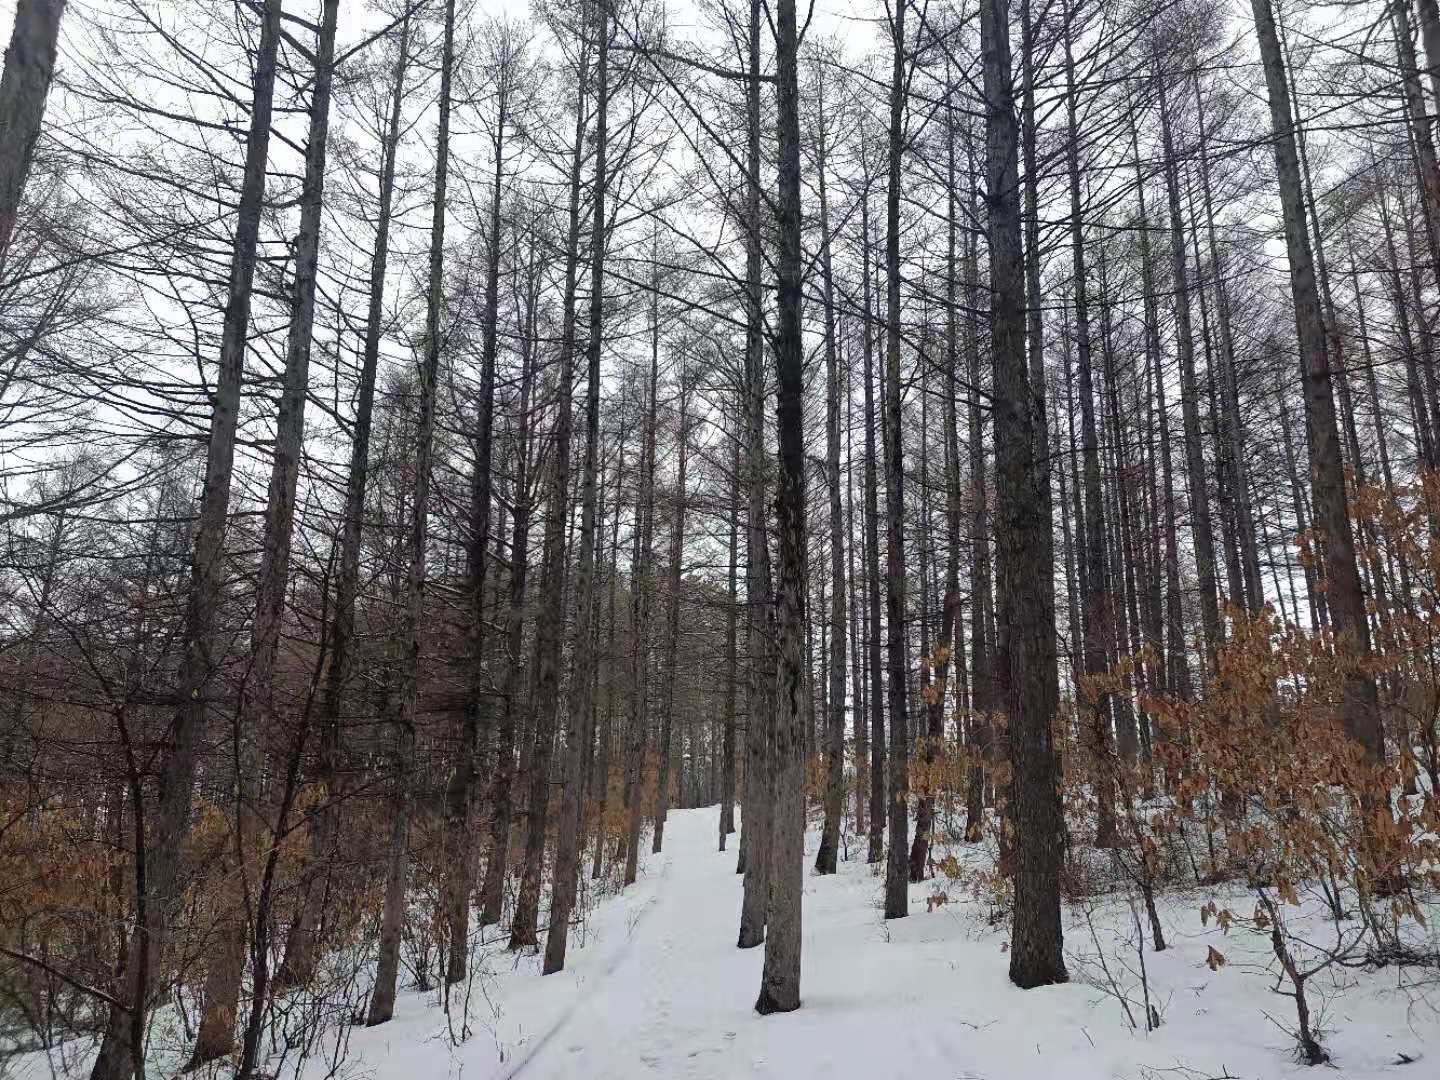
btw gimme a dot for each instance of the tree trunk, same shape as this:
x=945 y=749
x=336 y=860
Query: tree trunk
x=550 y=620
x=459 y=869
x=755 y=844
x=1026 y=673
x=672 y=626
x=1345 y=598
x=732 y=649
x=302 y=945
x=579 y=735
x=896 y=867
x=827 y=858
x=24 y=85
x=257 y=707
x=1190 y=402
x=780 y=979
x=872 y=563
x=382 y=999
x=642 y=588
x=159 y=883
x=1099 y=615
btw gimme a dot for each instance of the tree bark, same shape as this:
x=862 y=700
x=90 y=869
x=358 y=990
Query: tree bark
x=550 y=620
x=392 y=919
x=780 y=979
x=827 y=858
x=24 y=86
x=159 y=876
x=897 y=867
x=1345 y=599
x=1026 y=673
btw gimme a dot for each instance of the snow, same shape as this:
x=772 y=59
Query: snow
x=660 y=990
x=655 y=987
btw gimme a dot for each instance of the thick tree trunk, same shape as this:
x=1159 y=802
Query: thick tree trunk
x=257 y=715
x=24 y=85
x=1026 y=675
x=780 y=979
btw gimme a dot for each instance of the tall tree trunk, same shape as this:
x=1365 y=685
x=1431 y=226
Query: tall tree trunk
x=459 y=869
x=24 y=85
x=732 y=650
x=858 y=673
x=896 y=867
x=672 y=624
x=550 y=620
x=878 y=780
x=780 y=979
x=982 y=674
x=216 y=1036
x=951 y=623
x=1345 y=598
x=607 y=734
x=392 y=920
x=302 y=944
x=755 y=844
x=826 y=859
x=642 y=588
x=159 y=881
x=579 y=734
x=1233 y=430
x=1026 y=673
x=1190 y=401
x=1099 y=615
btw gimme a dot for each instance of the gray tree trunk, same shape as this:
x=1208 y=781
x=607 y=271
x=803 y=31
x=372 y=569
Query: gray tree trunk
x=780 y=979
x=302 y=945
x=1026 y=675
x=257 y=716
x=392 y=918
x=1345 y=598
x=24 y=85
x=579 y=733
x=159 y=883
x=827 y=858
x=672 y=624
x=897 y=869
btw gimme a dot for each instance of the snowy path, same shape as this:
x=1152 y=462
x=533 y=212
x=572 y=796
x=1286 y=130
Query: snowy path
x=658 y=989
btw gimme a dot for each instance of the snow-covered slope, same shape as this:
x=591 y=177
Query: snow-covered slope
x=659 y=990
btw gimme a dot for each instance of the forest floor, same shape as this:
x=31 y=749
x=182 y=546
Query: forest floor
x=657 y=988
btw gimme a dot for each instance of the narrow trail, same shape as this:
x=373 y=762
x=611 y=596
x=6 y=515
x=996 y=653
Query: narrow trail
x=655 y=988
x=656 y=1010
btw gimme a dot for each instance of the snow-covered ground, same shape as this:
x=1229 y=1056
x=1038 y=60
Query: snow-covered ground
x=656 y=988
x=659 y=990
